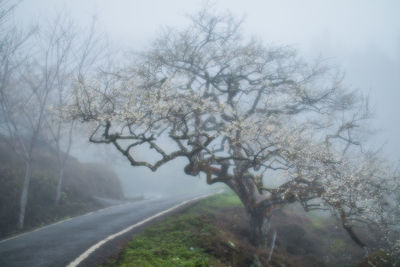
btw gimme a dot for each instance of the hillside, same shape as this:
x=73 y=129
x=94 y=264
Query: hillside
x=82 y=182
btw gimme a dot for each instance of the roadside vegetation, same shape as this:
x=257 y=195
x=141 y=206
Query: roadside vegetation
x=214 y=232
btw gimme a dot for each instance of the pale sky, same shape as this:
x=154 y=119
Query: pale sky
x=362 y=37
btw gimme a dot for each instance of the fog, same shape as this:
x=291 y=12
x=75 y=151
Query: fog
x=140 y=181
x=362 y=38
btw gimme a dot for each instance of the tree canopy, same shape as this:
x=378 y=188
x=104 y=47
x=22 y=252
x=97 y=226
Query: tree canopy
x=256 y=117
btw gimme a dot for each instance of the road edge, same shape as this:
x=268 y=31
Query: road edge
x=82 y=257
x=58 y=222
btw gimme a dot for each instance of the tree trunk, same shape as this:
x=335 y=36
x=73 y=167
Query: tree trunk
x=259 y=217
x=24 y=195
x=59 y=185
x=260 y=225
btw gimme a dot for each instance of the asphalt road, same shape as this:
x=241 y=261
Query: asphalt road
x=61 y=243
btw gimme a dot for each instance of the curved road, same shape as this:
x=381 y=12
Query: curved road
x=61 y=243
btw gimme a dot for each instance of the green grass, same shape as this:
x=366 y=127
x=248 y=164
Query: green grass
x=213 y=232
x=219 y=201
x=179 y=240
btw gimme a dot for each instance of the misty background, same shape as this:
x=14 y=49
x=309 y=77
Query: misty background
x=362 y=38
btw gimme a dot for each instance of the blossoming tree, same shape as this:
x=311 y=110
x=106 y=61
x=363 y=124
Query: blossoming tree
x=274 y=129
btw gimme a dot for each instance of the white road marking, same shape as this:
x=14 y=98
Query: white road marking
x=86 y=254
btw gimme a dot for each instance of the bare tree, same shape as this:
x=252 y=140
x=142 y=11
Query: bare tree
x=255 y=117
x=37 y=71
x=19 y=120
x=70 y=56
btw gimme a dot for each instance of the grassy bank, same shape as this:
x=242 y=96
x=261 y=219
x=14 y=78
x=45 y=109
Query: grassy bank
x=183 y=240
x=214 y=232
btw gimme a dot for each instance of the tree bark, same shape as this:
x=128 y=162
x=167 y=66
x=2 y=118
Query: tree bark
x=258 y=215
x=260 y=225
x=24 y=195
x=59 y=185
